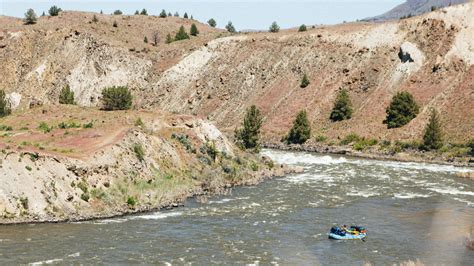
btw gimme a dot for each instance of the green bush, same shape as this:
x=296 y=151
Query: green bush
x=54 y=11
x=181 y=34
x=64 y=125
x=176 y=14
x=230 y=27
x=30 y=17
x=302 y=28
x=145 y=40
x=43 y=126
x=131 y=201
x=352 y=137
x=184 y=140
x=274 y=27
x=248 y=137
x=88 y=125
x=194 y=30
x=305 y=81
x=301 y=130
x=212 y=150
x=138 y=149
x=5 y=105
x=169 y=39
x=66 y=96
x=342 y=109
x=116 y=98
x=5 y=128
x=470 y=144
x=401 y=110
x=85 y=197
x=321 y=138
x=433 y=136
x=212 y=23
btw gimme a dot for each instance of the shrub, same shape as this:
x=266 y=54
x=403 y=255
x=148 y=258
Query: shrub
x=85 y=197
x=43 y=126
x=64 y=125
x=137 y=12
x=248 y=137
x=88 y=125
x=305 y=81
x=116 y=98
x=352 y=137
x=5 y=128
x=66 y=96
x=274 y=27
x=169 y=39
x=212 y=23
x=433 y=136
x=144 y=12
x=302 y=28
x=321 y=138
x=54 y=11
x=301 y=130
x=401 y=110
x=163 y=14
x=181 y=34
x=118 y=12
x=145 y=40
x=230 y=27
x=30 y=17
x=184 y=140
x=131 y=201
x=95 y=19
x=185 y=15
x=28 y=168
x=211 y=150
x=470 y=144
x=342 y=109
x=194 y=30
x=5 y=105
x=169 y=14
x=138 y=149
x=139 y=122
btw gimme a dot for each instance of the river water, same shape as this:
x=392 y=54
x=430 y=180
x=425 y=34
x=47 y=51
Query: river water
x=412 y=211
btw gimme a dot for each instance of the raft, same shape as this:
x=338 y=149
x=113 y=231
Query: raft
x=355 y=232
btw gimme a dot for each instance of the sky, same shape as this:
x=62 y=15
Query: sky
x=244 y=14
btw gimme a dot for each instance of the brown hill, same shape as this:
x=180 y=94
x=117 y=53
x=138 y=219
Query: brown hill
x=219 y=76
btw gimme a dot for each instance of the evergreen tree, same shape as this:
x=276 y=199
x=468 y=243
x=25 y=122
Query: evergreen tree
x=145 y=40
x=101 y=12
x=181 y=34
x=302 y=28
x=192 y=17
x=305 y=81
x=185 y=15
x=144 y=12
x=137 y=12
x=163 y=14
x=401 y=110
x=169 y=39
x=54 y=11
x=95 y=19
x=342 y=109
x=229 y=27
x=301 y=130
x=176 y=14
x=66 y=96
x=116 y=98
x=5 y=105
x=212 y=23
x=194 y=30
x=43 y=15
x=30 y=17
x=118 y=12
x=248 y=137
x=433 y=136
x=169 y=14
x=156 y=38
x=274 y=27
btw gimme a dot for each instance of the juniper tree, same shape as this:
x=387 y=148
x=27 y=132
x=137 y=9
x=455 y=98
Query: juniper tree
x=137 y=12
x=116 y=98
x=169 y=39
x=66 y=96
x=274 y=27
x=230 y=27
x=302 y=28
x=342 y=109
x=169 y=14
x=185 y=15
x=30 y=17
x=181 y=34
x=305 y=81
x=54 y=11
x=145 y=40
x=144 y=12
x=433 y=136
x=176 y=14
x=212 y=23
x=163 y=14
x=194 y=30
x=118 y=12
x=301 y=130
x=402 y=109
x=95 y=19
x=248 y=137
x=5 y=105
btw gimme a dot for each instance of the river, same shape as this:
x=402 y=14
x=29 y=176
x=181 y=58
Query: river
x=411 y=210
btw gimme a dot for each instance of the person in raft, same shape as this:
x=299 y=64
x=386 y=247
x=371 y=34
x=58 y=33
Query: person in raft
x=347 y=230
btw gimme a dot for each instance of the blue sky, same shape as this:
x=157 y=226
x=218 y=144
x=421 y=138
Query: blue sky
x=245 y=14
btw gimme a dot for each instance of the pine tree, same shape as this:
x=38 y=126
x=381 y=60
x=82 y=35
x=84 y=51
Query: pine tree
x=30 y=17
x=194 y=30
x=144 y=12
x=185 y=15
x=66 y=96
x=274 y=27
x=248 y=137
x=169 y=39
x=401 y=110
x=169 y=14
x=156 y=38
x=43 y=15
x=301 y=130
x=163 y=14
x=95 y=19
x=342 y=109
x=212 y=23
x=118 y=12
x=116 y=98
x=229 y=27
x=302 y=28
x=101 y=12
x=192 y=17
x=54 y=11
x=145 y=40
x=181 y=34
x=5 y=105
x=433 y=136
x=137 y=12
x=305 y=81
x=176 y=14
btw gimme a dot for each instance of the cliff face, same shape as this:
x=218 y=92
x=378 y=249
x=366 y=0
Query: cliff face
x=218 y=76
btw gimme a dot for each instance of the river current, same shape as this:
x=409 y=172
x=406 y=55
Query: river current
x=411 y=210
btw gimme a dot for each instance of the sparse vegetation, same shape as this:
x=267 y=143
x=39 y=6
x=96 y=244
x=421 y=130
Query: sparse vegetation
x=116 y=98
x=65 y=125
x=274 y=27
x=156 y=38
x=145 y=40
x=5 y=128
x=66 y=96
x=433 y=136
x=401 y=110
x=301 y=130
x=54 y=11
x=115 y=24
x=88 y=125
x=95 y=19
x=138 y=150
x=118 y=12
x=321 y=138
x=139 y=122
x=5 y=105
x=212 y=150
x=181 y=34
x=305 y=81
x=169 y=39
x=212 y=23
x=43 y=126
x=184 y=140
x=302 y=28
x=194 y=30
x=342 y=109
x=30 y=17
x=230 y=27
x=248 y=137
x=131 y=201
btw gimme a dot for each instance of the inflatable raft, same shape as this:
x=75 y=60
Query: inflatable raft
x=354 y=232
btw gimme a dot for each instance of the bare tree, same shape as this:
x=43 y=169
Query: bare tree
x=156 y=38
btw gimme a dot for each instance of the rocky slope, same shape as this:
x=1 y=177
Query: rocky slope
x=414 y=8
x=217 y=76
x=123 y=162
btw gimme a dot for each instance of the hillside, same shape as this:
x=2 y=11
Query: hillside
x=414 y=8
x=218 y=76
